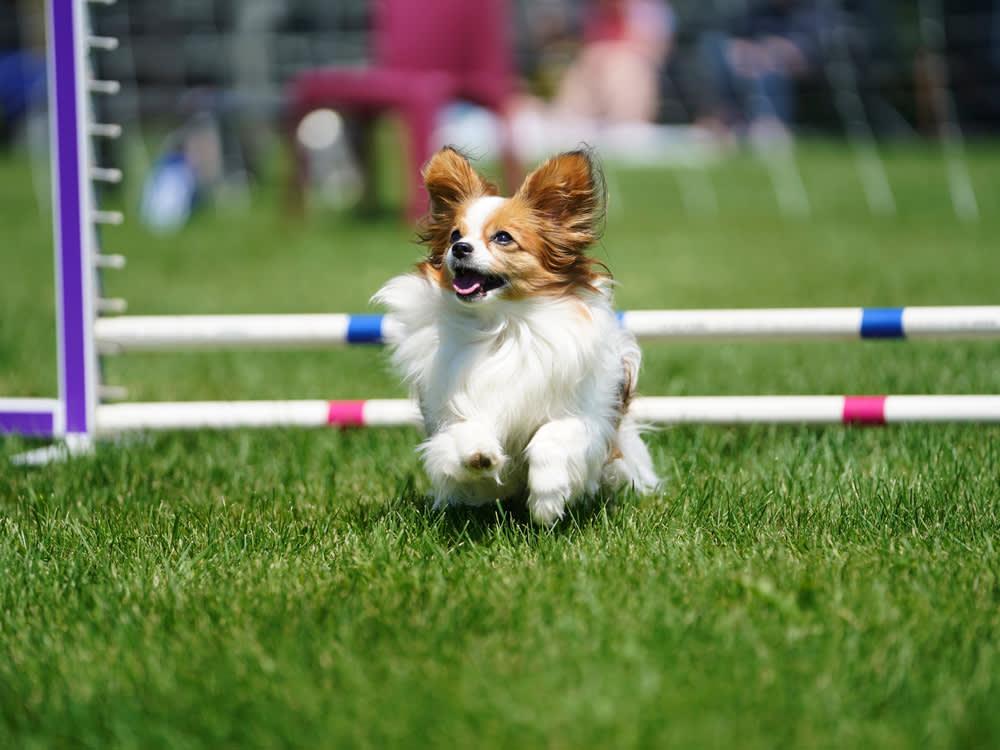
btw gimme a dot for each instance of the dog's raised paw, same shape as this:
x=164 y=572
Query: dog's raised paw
x=484 y=464
x=463 y=452
x=480 y=461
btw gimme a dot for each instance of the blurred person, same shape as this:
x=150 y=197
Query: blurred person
x=752 y=69
x=615 y=77
x=22 y=74
x=960 y=61
x=548 y=42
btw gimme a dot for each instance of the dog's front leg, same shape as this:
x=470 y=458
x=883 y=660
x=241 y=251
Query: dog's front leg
x=466 y=452
x=563 y=458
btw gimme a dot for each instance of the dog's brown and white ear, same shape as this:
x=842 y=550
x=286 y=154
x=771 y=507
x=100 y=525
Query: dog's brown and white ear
x=568 y=192
x=451 y=181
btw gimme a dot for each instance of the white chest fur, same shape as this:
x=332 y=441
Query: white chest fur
x=515 y=365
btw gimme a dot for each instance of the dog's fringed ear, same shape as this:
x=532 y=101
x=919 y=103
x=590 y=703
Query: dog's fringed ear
x=568 y=191
x=450 y=181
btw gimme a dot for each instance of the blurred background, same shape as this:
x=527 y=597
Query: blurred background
x=758 y=153
x=213 y=87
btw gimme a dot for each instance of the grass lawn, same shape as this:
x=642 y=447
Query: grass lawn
x=789 y=586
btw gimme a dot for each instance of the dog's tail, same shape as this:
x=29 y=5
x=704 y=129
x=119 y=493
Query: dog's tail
x=629 y=464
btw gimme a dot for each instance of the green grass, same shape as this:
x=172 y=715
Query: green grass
x=789 y=587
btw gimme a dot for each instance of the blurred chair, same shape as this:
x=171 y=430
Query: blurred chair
x=425 y=55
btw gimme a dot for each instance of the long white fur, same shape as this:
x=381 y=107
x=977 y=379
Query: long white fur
x=530 y=387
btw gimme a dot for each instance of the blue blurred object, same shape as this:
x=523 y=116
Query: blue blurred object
x=189 y=172
x=169 y=194
x=22 y=84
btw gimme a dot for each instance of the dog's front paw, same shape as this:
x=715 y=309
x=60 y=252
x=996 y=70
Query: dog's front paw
x=464 y=452
x=483 y=461
x=479 y=451
x=547 y=508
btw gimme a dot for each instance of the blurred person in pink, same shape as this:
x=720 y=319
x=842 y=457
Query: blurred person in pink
x=615 y=77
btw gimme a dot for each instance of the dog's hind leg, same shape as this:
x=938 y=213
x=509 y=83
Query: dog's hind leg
x=630 y=464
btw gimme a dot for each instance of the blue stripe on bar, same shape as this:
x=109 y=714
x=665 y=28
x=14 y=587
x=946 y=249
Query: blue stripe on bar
x=621 y=317
x=882 y=323
x=364 y=329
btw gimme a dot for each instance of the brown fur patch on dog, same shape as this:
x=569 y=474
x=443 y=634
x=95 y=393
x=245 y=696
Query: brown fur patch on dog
x=451 y=184
x=555 y=216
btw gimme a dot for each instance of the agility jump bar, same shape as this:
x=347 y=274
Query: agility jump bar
x=36 y=417
x=867 y=410
x=175 y=332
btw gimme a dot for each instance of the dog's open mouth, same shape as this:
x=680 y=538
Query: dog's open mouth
x=472 y=285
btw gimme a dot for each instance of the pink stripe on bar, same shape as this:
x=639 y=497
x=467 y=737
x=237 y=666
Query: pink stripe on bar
x=346 y=414
x=864 y=410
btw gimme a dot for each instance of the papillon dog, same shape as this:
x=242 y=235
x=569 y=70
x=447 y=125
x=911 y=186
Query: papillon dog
x=508 y=338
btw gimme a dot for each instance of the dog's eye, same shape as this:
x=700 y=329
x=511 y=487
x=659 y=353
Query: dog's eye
x=502 y=238
x=455 y=236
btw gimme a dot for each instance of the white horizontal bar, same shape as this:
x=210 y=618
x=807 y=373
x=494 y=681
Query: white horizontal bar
x=144 y=332
x=105 y=260
x=738 y=409
x=106 y=174
x=96 y=86
x=951 y=321
x=30 y=405
x=764 y=323
x=228 y=331
x=655 y=410
x=113 y=418
x=106 y=43
x=822 y=322
x=114 y=218
x=389 y=412
x=107 y=392
x=942 y=409
x=814 y=409
x=105 y=130
x=113 y=305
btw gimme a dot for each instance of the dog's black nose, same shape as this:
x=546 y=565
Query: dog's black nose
x=461 y=249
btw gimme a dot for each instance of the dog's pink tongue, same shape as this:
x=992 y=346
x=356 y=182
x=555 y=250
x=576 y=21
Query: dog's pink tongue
x=468 y=282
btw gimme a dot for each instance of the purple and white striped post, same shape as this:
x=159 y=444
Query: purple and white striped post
x=73 y=230
x=73 y=415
